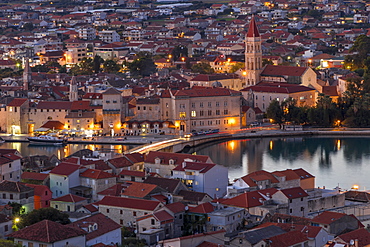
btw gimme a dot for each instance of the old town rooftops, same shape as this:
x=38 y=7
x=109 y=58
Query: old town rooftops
x=47 y=231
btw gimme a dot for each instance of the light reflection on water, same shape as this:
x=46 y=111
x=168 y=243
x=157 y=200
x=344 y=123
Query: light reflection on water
x=342 y=160
x=60 y=151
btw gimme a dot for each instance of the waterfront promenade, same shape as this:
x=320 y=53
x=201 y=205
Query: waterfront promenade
x=162 y=142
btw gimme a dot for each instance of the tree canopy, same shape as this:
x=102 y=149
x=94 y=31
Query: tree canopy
x=43 y=214
x=202 y=68
x=143 y=65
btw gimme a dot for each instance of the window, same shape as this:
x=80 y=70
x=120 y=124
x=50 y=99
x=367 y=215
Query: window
x=153 y=222
x=121 y=222
x=133 y=213
x=209 y=112
x=121 y=211
x=56 y=206
x=138 y=108
x=6 y=228
x=30 y=244
x=226 y=112
x=302 y=209
x=209 y=104
x=10 y=165
x=42 y=245
x=193 y=113
x=225 y=103
x=11 y=196
x=217 y=112
x=201 y=104
x=193 y=105
x=68 y=208
x=107 y=101
x=4 y=196
x=144 y=108
x=107 y=210
x=182 y=114
x=217 y=104
x=290 y=210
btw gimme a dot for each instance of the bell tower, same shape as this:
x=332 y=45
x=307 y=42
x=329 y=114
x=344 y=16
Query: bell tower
x=27 y=74
x=73 y=90
x=253 y=54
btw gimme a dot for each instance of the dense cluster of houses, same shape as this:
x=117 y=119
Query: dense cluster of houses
x=173 y=100
x=175 y=199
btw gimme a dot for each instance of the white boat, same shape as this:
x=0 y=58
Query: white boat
x=47 y=140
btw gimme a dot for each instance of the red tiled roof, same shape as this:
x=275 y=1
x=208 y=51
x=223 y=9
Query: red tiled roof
x=293 y=193
x=250 y=199
x=132 y=173
x=176 y=207
x=253 y=29
x=212 y=77
x=129 y=203
x=203 y=208
x=53 y=125
x=303 y=174
x=327 y=217
x=80 y=105
x=34 y=176
x=201 y=167
x=63 y=105
x=115 y=190
x=279 y=70
x=205 y=92
x=105 y=225
x=39 y=189
x=278 y=88
x=289 y=174
x=64 y=169
x=96 y=174
x=258 y=176
x=69 y=198
x=163 y=216
x=17 y=102
x=362 y=235
x=209 y=244
x=288 y=239
x=139 y=190
x=177 y=158
x=47 y=231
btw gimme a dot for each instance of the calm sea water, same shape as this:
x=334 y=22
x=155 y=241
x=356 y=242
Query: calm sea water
x=60 y=151
x=343 y=160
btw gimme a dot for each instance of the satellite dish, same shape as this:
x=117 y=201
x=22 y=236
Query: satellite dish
x=186 y=208
x=352 y=242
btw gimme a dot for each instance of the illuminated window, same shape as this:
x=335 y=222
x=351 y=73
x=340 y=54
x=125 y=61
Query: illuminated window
x=10 y=108
x=78 y=121
x=193 y=113
x=182 y=114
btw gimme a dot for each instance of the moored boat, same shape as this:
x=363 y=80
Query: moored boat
x=47 y=140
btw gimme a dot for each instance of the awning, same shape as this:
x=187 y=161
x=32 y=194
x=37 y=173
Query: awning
x=42 y=129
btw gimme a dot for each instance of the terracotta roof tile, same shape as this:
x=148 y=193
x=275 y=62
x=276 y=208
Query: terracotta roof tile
x=64 y=169
x=362 y=235
x=288 y=239
x=69 y=198
x=16 y=187
x=47 y=231
x=18 y=102
x=203 y=208
x=279 y=70
x=139 y=190
x=96 y=174
x=105 y=225
x=34 y=176
x=250 y=199
x=129 y=203
x=327 y=217
x=176 y=207
x=293 y=193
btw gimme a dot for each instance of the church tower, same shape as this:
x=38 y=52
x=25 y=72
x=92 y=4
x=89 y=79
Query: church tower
x=73 y=90
x=27 y=75
x=253 y=54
